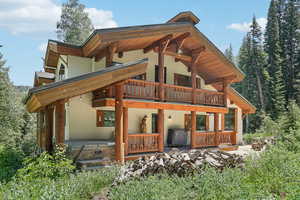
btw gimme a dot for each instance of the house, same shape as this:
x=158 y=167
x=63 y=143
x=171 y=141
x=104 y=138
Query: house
x=125 y=90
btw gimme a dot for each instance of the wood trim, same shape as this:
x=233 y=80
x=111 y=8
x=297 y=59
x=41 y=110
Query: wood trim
x=49 y=128
x=160 y=105
x=222 y=122
x=99 y=115
x=161 y=74
x=207 y=122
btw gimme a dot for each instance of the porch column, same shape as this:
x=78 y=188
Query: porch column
x=160 y=128
x=216 y=128
x=49 y=128
x=193 y=77
x=193 y=129
x=225 y=90
x=125 y=130
x=111 y=50
x=234 y=133
x=119 y=145
x=161 y=76
x=60 y=122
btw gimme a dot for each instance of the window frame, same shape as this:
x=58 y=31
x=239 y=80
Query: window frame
x=233 y=119
x=179 y=77
x=100 y=115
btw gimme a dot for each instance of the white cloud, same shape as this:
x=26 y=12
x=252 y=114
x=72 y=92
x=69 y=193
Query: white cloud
x=101 y=18
x=43 y=47
x=40 y=16
x=245 y=26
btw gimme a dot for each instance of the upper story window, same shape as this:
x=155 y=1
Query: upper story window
x=186 y=81
x=61 y=74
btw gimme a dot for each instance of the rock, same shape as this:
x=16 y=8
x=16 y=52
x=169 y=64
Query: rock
x=178 y=163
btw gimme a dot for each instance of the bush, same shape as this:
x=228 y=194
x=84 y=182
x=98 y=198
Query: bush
x=76 y=186
x=10 y=161
x=46 y=166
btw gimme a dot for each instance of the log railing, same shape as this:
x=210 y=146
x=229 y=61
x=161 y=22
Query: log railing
x=139 y=89
x=206 y=139
x=139 y=143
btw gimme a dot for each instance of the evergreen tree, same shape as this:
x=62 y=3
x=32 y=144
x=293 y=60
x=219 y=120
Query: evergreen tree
x=10 y=114
x=275 y=83
x=75 y=25
x=291 y=45
x=229 y=54
x=258 y=65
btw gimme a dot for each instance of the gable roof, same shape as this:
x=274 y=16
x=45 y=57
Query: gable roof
x=212 y=64
x=47 y=94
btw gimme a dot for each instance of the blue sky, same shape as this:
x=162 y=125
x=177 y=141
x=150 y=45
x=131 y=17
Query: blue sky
x=26 y=25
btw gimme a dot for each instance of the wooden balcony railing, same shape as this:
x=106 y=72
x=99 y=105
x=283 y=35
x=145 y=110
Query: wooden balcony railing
x=139 y=143
x=206 y=139
x=138 y=89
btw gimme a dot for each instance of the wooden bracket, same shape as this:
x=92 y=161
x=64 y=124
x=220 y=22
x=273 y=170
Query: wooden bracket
x=155 y=44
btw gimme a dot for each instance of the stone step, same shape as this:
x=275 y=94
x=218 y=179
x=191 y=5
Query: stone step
x=93 y=163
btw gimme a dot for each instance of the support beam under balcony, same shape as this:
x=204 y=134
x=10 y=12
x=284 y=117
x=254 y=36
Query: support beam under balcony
x=161 y=76
x=160 y=128
x=49 y=111
x=119 y=145
x=60 y=122
x=193 y=129
x=125 y=130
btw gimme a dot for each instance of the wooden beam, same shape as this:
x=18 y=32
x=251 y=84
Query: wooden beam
x=161 y=76
x=160 y=105
x=194 y=82
x=179 y=40
x=111 y=50
x=125 y=130
x=225 y=90
x=219 y=80
x=157 y=43
x=178 y=56
x=49 y=128
x=119 y=155
x=196 y=54
x=60 y=122
x=216 y=127
x=160 y=128
x=193 y=129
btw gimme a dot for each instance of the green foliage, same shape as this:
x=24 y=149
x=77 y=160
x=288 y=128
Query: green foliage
x=274 y=175
x=10 y=161
x=76 y=186
x=46 y=166
x=229 y=54
x=75 y=25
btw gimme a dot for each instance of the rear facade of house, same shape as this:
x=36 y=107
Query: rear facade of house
x=183 y=97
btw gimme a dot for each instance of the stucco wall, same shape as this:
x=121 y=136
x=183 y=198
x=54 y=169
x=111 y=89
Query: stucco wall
x=81 y=117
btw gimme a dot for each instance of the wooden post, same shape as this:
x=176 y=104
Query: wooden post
x=60 y=122
x=111 y=50
x=160 y=128
x=225 y=90
x=234 y=133
x=125 y=130
x=161 y=72
x=216 y=128
x=118 y=122
x=222 y=122
x=49 y=128
x=193 y=129
x=194 y=82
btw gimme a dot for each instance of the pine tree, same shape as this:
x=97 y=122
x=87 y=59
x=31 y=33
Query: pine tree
x=229 y=54
x=275 y=83
x=258 y=64
x=75 y=25
x=291 y=45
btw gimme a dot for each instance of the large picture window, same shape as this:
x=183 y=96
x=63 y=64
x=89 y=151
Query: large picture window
x=105 y=118
x=230 y=121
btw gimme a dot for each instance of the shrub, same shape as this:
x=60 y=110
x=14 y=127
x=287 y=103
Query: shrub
x=76 y=186
x=46 y=166
x=10 y=161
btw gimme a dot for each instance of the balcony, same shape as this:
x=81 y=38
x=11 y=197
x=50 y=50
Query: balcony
x=146 y=90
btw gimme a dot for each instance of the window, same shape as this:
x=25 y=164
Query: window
x=140 y=77
x=229 y=119
x=186 y=81
x=62 y=72
x=201 y=122
x=154 y=123
x=105 y=118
